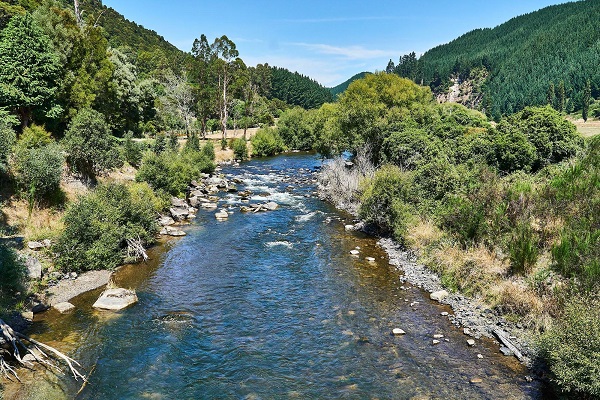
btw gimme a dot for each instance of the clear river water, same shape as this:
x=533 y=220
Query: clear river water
x=270 y=306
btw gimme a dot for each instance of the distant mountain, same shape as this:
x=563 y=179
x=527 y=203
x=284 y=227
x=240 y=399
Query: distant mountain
x=520 y=60
x=341 y=88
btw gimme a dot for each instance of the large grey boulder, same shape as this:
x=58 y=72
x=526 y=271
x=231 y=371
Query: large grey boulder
x=166 y=221
x=271 y=206
x=34 y=268
x=439 y=295
x=64 y=307
x=179 y=213
x=176 y=202
x=172 y=231
x=116 y=299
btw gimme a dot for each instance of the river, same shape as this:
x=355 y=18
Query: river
x=269 y=306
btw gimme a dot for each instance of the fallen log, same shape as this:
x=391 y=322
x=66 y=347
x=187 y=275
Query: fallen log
x=15 y=341
x=503 y=338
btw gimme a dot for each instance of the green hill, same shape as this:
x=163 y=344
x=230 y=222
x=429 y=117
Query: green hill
x=297 y=89
x=523 y=58
x=341 y=88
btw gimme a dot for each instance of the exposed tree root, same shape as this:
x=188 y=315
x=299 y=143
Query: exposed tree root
x=14 y=341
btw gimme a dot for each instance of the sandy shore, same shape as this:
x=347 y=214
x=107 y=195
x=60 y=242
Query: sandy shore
x=66 y=289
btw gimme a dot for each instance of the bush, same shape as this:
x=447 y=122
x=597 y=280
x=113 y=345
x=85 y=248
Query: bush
x=240 y=149
x=12 y=273
x=410 y=148
x=39 y=170
x=7 y=141
x=386 y=200
x=295 y=129
x=266 y=142
x=209 y=151
x=98 y=225
x=132 y=151
x=160 y=143
x=193 y=143
x=512 y=151
x=91 y=148
x=523 y=249
x=171 y=172
x=572 y=350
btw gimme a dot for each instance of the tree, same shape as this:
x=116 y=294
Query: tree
x=90 y=147
x=202 y=79
x=225 y=62
x=551 y=95
x=390 y=67
x=179 y=99
x=29 y=67
x=561 y=97
x=587 y=95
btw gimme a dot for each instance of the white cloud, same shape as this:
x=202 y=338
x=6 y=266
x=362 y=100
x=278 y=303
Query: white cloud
x=348 y=52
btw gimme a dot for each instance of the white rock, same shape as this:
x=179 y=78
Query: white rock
x=480 y=356
x=172 y=231
x=35 y=245
x=471 y=342
x=434 y=342
x=354 y=252
x=166 y=221
x=439 y=295
x=438 y=336
x=271 y=206
x=34 y=268
x=208 y=206
x=116 y=299
x=398 y=332
x=349 y=227
x=222 y=215
x=370 y=259
x=64 y=307
x=444 y=314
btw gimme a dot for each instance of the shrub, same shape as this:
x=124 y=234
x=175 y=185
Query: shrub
x=7 y=141
x=91 y=148
x=160 y=143
x=386 y=200
x=193 y=142
x=39 y=170
x=523 y=249
x=410 y=148
x=512 y=151
x=240 y=150
x=132 y=151
x=34 y=136
x=209 y=151
x=295 y=129
x=172 y=172
x=266 y=142
x=572 y=350
x=12 y=273
x=98 y=225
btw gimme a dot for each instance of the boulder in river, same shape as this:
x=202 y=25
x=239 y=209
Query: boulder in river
x=222 y=215
x=398 y=332
x=176 y=202
x=116 y=299
x=271 y=206
x=172 y=231
x=165 y=221
x=179 y=213
x=64 y=307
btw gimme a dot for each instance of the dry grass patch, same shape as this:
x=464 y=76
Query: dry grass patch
x=43 y=223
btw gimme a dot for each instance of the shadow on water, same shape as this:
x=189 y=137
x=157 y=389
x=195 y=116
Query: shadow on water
x=272 y=305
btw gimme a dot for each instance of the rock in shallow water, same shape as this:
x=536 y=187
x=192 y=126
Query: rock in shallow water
x=64 y=307
x=439 y=295
x=116 y=299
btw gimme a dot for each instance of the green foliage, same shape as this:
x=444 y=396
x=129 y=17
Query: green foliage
x=160 y=143
x=297 y=89
x=91 y=148
x=521 y=56
x=295 y=129
x=34 y=136
x=132 y=151
x=7 y=141
x=523 y=249
x=410 y=147
x=39 y=170
x=240 y=150
x=572 y=350
x=576 y=199
x=267 y=142
x=341 y=88
x=193 y=143
x=385 y=200
x=13 y=273
x=172 y=172
x=26 y=52
x=209 y=151
x=98 y=225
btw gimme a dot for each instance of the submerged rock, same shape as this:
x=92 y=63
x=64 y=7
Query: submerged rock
x=116 y=299
x=171 y=231
x=64 y=307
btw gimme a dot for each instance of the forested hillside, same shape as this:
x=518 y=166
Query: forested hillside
x=341 y=88
x=297 y=89
x=547 y=56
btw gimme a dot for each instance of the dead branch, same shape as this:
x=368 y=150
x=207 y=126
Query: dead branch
x=15 y=339
x=136 y=250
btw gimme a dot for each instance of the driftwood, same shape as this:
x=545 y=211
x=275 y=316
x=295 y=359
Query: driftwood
x=14 y=340
x=503 y=338
x=136 y=250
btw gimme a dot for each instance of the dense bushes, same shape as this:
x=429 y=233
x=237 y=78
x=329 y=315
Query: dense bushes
x=12 y=273
x=98 y=225
x=240 y=149
x=38 y=163
x=91 y=148
x=172 y=172
x=572 y=349
x=7 y=140
x=267 y=142
x=294 y=127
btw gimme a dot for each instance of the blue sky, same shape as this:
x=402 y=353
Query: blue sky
x=328 y=40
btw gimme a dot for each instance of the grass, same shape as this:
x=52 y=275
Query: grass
x=586 y=129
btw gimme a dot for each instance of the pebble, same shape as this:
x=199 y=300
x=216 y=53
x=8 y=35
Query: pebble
x=476 y=380
x=471 y=342
x=354 y=252
x=480 y=356
x=438 y=336
x=434 y=342
x=370 y=259
x=398 y=332
x=444 y=314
